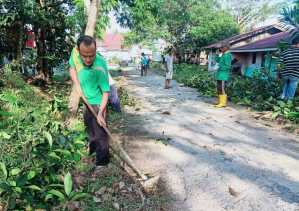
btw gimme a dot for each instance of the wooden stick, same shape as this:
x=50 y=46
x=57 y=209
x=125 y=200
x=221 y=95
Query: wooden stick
x=116 y=147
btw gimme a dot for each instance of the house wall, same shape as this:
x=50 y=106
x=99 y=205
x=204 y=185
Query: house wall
x=211 y=60
x=122 y=55
x=246 y=59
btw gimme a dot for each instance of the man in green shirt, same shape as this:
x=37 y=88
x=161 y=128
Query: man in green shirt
x=89 y=73
x=222 y=74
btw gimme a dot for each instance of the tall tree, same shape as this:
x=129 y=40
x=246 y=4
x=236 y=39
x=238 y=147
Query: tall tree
x=290 y=19
x=248 y=13
x=188 y=25
x=93 y=10
x=48 y=19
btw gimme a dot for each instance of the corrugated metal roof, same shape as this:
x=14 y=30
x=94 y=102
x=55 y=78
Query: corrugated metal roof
x=238 y=38
x=269 y=43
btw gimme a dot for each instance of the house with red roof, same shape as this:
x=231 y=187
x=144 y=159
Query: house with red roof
x=111 y=47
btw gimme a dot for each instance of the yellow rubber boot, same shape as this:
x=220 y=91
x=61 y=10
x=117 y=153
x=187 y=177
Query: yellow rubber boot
x=222 y=101
x=218 y=101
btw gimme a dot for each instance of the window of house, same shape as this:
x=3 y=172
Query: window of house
x=253 y=58
x=263 y=59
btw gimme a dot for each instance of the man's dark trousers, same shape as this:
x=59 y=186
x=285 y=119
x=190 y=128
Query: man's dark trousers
x=97 y=136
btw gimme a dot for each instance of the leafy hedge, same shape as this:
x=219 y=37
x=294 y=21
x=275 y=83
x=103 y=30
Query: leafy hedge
x=37 y=151
x=260 y=92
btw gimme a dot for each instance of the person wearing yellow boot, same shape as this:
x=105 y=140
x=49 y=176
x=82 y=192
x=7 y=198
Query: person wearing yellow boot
x=222 y=74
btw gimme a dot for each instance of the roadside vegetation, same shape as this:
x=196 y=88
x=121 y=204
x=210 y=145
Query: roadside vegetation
x=43 y=161
x=261 y=93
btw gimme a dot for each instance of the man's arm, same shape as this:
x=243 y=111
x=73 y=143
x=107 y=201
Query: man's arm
x=104 y=102
x=74 y=78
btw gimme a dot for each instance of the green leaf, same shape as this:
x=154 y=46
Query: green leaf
x=77 y=196
x=64 y=152
x=34 y=187
x=57 y=193
x=12 y=183
x=21 y=180
x=68 y=183
x=4 y=135
x=15 y=171
x=49 y=138
x=18 y=189
x=56 y=185
x=3 y=169
x=77 y=156
x=54 y=155
x=48 y=196
x=31 y=174
x=79 y=143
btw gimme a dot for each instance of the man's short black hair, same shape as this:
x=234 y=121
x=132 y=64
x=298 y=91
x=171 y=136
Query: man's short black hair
x=86 y=40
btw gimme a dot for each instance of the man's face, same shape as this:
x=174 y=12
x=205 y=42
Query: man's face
x=223 y=49
x=87 y=53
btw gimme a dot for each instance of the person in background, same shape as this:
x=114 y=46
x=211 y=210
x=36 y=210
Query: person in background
x=223 y=72
x=113 y=96
x=169 y=67
x=289 y=65
x=143 y=63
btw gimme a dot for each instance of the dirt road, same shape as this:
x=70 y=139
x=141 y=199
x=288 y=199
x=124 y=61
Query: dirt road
x=210 y=159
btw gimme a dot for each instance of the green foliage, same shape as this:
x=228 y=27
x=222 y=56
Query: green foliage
x=249 y=12
x=260 y=92
x=51 y=25
x=187 y=25
x=218 y=25
x=290 y=15
x=196 y=77
x=36 y=149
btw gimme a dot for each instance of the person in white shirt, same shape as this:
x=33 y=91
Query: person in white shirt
x=169 y=68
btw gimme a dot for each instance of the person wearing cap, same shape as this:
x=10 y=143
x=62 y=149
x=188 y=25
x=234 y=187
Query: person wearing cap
x=223 y=72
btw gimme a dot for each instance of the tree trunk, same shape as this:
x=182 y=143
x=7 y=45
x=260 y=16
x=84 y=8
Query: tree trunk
x=92 y=16
x=20 y=42
x=42 y=63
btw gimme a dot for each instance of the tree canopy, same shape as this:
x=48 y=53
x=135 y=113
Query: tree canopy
x=188 y=25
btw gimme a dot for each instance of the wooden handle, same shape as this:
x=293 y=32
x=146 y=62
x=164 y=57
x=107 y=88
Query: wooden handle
x=116 y=147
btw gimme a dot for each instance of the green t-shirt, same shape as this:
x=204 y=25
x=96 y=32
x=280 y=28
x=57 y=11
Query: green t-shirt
x=224 y=66
x=93 y=80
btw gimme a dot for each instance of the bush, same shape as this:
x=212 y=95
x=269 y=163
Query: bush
x=196 y=77
x=260 y=92
x=37 y=151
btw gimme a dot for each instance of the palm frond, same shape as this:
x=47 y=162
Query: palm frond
x=290 y=17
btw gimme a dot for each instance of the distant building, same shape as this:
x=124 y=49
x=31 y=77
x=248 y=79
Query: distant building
x=112 y=48
x=251 y=50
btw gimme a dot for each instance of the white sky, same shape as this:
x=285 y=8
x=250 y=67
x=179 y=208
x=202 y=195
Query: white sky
x=114 y=26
